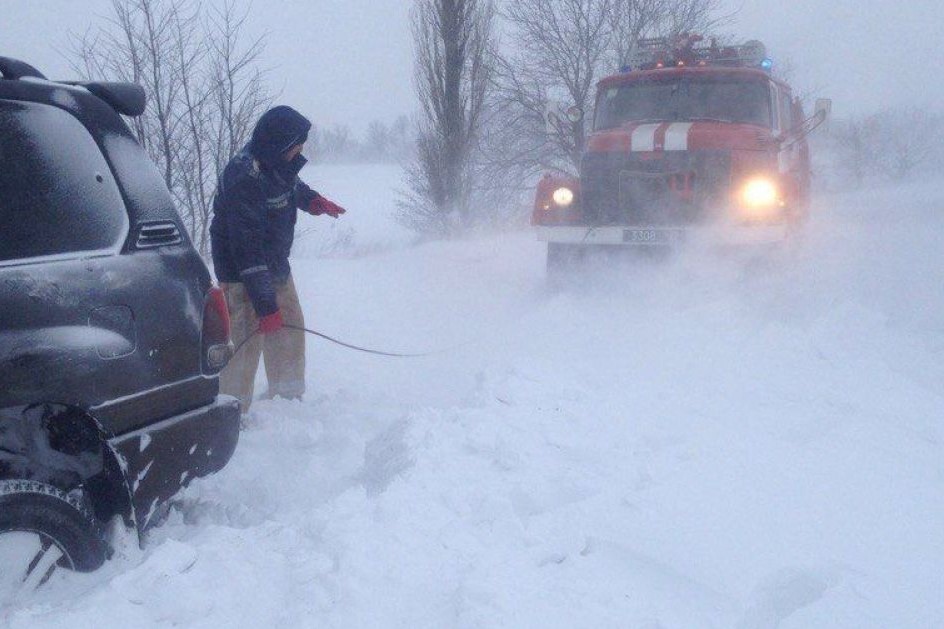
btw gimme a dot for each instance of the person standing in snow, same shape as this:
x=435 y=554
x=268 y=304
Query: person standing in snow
x=253 y=228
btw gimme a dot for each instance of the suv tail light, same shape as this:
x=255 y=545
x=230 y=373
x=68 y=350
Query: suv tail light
x=217 y=346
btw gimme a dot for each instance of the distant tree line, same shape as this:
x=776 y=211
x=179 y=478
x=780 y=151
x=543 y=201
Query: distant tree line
x=380 y=143
x=893 y=145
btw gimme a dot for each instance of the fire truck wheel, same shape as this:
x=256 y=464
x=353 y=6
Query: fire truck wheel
x=795 y=236
x=562 y=259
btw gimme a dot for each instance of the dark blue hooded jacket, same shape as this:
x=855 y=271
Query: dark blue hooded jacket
x=256 y=205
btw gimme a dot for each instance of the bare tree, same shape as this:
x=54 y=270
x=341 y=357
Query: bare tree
x=630 y=21
x=237 y=82
x=193 y=160
x=137 y=44
x=453 y=40
x=399 y=141
x=891 y=145
x=377 y=142
x=562 y=49
x=911 y=141
x=335 y=144
x=204 y=87
x=692 y=16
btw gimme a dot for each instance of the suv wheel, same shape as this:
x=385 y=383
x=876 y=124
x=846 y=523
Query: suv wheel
x=43 y=529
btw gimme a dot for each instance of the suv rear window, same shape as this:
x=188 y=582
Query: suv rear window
x=57 y=194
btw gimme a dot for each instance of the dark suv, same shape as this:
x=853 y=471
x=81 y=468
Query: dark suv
x=112 y=334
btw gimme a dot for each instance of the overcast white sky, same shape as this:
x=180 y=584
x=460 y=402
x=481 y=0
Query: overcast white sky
x=338 y=61
x=348 y=61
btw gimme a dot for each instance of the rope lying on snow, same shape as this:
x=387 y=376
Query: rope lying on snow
x=342 y=344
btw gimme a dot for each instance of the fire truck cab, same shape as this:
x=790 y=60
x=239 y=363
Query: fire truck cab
x=692 y=143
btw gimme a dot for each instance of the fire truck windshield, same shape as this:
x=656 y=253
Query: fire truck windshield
x=685 y=100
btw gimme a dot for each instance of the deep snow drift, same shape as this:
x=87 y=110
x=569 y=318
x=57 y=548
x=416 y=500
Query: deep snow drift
x=703 y=442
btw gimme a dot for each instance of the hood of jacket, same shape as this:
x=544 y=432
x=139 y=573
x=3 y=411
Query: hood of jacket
x=277 y=131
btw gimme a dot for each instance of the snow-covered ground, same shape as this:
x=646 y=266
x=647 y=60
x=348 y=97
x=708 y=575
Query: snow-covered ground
x=370 y=192
x=703 y=442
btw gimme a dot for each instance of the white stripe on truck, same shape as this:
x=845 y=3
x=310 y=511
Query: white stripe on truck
x=676 y=138
x=644 y=138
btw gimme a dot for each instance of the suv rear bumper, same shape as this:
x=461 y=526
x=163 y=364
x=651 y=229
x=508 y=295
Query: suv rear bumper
x=161 y=459
x=720 y=235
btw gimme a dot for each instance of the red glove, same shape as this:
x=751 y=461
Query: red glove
x=320 y=205
x=272 y=323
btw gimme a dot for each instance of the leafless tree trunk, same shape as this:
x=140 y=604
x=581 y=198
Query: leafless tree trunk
x=453 y=40
x=852 y=143
x=205 y=90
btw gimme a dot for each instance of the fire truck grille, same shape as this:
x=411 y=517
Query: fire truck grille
x=672 y=188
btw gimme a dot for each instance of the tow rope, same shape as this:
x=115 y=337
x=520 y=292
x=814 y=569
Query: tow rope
x=330 y=339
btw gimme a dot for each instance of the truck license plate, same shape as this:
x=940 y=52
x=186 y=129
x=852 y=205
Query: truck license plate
x=650 y=236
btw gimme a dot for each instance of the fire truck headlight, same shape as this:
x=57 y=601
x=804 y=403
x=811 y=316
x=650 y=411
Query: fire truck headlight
x=563 y=197
x=760 y=193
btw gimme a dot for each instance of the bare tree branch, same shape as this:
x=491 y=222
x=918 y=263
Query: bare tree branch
x=205 y=89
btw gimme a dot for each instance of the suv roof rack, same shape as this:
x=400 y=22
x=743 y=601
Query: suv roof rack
x=127 y=99
x=15 y=69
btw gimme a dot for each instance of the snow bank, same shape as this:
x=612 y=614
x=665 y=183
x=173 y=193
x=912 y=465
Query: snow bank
x=705 y=442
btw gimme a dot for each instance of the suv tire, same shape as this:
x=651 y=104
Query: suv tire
x=66 y=533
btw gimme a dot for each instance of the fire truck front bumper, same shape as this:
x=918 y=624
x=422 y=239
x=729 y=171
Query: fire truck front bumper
x=666 y=236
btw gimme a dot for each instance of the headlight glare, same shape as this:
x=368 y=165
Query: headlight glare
x=760 y=192
x=563 y=197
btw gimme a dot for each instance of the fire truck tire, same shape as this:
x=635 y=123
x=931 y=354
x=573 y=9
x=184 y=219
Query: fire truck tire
x=562 y=259
x=795 y=238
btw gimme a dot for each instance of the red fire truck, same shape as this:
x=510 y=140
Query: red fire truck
x=694 y=142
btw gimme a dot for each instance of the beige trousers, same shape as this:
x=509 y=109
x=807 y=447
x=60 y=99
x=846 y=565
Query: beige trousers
x=283 y=352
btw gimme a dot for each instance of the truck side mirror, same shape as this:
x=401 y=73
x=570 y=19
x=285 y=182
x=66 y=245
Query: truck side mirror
x=552 y=123
x=556 y=119
x=824 y=108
